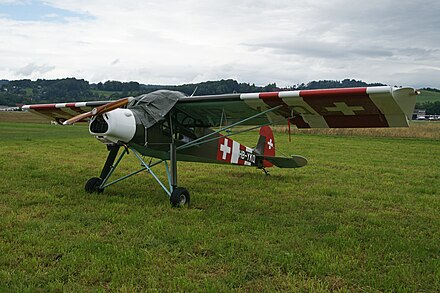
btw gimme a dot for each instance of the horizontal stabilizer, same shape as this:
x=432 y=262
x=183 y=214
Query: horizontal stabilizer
x=286 y=162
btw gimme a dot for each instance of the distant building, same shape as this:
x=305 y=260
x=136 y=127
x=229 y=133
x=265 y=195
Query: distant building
x=419 y=114
x=432 y=117
x=9 y=109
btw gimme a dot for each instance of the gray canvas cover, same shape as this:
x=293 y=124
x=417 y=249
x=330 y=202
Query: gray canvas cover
x=151 y=108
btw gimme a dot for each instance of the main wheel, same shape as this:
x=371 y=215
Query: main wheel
x=93 y=184
x=179 y=197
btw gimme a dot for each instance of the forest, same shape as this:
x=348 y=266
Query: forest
x=71 y=89
x=26 y=91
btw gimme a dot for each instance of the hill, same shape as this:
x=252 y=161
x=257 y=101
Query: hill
x=428 y=95
x=26 y=91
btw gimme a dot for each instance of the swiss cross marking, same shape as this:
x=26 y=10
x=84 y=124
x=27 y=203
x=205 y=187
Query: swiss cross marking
x=270 y=143
x=344 y=108
x=225 y=149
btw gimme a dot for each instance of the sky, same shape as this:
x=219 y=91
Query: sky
x=396 y=42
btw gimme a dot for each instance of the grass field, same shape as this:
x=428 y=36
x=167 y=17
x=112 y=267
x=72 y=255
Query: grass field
x=362 y=216
x=20 y=117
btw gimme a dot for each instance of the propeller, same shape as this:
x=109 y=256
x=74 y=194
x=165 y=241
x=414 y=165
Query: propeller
x=99 y=110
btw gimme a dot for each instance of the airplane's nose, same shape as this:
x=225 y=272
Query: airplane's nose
x=115 y=126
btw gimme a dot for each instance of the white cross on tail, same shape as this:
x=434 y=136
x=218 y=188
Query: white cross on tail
x=270 y=143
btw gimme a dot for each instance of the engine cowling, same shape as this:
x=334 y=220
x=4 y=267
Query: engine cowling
x=118 y=125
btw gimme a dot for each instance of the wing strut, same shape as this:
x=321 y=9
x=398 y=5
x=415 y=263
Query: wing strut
x=234 y=133
x=196 y=141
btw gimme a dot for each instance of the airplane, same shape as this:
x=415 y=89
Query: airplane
x=170 y=126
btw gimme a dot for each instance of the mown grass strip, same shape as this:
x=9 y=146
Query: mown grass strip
x=362 y=216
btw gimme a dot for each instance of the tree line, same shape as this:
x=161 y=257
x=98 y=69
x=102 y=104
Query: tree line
x=432 y=108
x=26 y=91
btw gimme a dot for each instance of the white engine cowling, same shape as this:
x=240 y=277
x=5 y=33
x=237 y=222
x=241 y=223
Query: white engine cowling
x=114 y=126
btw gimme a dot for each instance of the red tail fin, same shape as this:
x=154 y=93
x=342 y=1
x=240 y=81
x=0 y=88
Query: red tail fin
x=266 y=145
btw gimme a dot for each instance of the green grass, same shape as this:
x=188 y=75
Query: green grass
x=428 y=96
x=362 y=216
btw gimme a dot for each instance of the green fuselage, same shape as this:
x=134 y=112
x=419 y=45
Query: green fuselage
x=155 y=142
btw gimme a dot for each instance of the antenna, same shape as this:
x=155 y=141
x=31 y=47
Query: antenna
x=194 y=91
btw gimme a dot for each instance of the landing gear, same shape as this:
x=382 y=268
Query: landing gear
x=179 y=197
x=93 y=185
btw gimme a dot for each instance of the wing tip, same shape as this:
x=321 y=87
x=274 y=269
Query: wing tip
x=406 y=98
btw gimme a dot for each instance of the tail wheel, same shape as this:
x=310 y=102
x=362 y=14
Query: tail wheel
x=93 y=184
x=179 y=197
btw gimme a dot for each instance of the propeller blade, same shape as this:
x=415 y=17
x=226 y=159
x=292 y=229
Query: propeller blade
x=98 y=110
x=78 y=118
x=110 y=106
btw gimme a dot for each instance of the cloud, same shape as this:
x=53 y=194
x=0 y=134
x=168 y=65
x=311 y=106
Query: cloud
x=32 y=69
x=258 y=41
x=324 y=50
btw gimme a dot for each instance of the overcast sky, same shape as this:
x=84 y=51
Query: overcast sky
x=396 y=42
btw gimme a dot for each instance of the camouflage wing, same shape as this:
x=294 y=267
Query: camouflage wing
x=329 y=108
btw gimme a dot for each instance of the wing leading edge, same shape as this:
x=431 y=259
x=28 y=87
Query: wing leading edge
x=328 y=108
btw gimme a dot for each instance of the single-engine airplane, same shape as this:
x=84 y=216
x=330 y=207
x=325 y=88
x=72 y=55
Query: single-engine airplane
x=169 y=126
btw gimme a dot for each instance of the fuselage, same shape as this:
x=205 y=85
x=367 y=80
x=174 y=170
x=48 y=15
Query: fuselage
x=122 y=126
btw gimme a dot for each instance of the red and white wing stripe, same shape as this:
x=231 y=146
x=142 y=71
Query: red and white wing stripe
x=62 y=111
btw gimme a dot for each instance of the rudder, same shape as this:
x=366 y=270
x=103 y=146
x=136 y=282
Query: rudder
x=266 y=145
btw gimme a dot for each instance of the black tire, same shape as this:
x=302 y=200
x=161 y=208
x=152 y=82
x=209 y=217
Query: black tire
x=179 y=197
x=93 y=184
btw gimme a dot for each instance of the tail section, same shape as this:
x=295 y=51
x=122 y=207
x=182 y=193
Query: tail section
x=265 y=153
x=263 y=156
x=266 y=145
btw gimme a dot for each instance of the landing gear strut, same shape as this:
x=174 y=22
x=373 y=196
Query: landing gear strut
x=179 y=196
x=95 y=184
